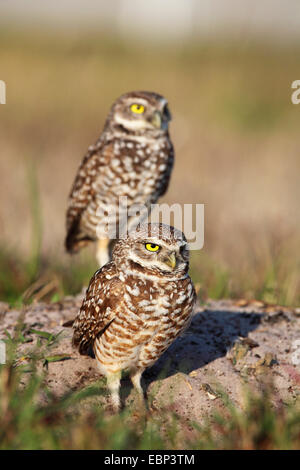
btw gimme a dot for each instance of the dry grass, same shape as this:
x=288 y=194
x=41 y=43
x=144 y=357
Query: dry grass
x=76 y=421
x=237 y=150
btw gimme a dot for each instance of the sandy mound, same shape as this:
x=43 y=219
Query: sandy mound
x=228 y=344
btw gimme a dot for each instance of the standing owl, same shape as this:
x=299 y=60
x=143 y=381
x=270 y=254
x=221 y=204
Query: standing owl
x=132 y=160
x=136 y=305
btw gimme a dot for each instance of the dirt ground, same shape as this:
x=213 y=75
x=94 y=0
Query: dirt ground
x=228 y=343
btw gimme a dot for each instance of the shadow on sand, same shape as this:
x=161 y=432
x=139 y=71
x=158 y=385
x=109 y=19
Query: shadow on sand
x=210 y=335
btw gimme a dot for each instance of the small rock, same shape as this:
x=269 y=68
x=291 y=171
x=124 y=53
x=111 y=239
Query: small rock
x=238 y=352
x=212 y=395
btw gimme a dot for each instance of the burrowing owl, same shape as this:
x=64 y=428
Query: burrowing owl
x=132 y=160
x=137 y=304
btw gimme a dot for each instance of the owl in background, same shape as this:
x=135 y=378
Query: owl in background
x=136 y=305
x=131 y=160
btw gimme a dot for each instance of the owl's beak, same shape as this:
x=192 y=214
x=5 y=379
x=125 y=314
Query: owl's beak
x=171 y=260
x=156 y=119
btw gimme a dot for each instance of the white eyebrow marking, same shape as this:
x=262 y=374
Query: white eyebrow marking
x=134 y=123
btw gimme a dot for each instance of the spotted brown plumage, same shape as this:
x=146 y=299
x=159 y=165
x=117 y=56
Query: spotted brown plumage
x=133 y=158
x=136 y=305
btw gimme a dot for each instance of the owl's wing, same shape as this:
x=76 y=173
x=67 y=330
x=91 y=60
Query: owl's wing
x=164 y=183
x=98 y=309
x=83 y=193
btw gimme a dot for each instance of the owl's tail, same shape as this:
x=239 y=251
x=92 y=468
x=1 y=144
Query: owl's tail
x=75 y=241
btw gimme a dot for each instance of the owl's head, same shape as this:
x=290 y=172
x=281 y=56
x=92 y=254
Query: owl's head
x=139 y=112
x=153 y=249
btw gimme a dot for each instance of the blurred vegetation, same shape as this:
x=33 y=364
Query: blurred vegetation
x=236 y=138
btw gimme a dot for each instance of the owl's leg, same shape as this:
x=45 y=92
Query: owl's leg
x=136 y=381
x=102 y=254
x=139 y=411
x=111 y=247
x=113 y=383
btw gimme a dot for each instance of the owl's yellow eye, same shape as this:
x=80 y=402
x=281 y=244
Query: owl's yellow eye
x=152 y=247
x=137 y=108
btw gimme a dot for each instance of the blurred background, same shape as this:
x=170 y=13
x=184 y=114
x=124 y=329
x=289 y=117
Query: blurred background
x=226 y=69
